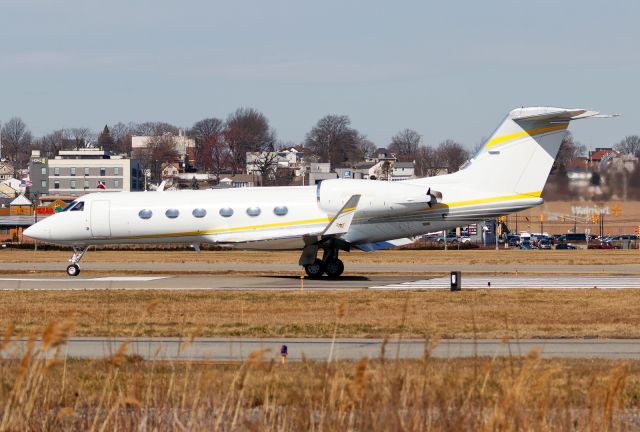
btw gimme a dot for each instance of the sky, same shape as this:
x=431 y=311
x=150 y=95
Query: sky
x=446 y=69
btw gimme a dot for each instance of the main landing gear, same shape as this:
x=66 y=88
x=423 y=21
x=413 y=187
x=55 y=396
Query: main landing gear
x=329 y=264
x=74 y=268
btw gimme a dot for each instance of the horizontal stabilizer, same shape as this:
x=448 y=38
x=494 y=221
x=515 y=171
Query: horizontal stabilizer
x=342 y=221
x=559 y=115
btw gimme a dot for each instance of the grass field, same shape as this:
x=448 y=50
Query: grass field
x=474 y=256
x=42 y=391
x=466 y=314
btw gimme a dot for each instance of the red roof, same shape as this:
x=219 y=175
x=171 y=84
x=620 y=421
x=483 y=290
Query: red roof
x=598 y=154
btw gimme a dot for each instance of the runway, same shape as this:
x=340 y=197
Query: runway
x=239 y=282
x=236 y=350
x=125 y=268
x=540 y=282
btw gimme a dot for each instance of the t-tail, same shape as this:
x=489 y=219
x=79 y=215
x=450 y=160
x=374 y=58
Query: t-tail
x=517 y=158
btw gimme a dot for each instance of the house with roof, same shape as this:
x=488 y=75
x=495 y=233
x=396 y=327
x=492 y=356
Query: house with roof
x=402 y=171
x=6 y=170
x=237 y=181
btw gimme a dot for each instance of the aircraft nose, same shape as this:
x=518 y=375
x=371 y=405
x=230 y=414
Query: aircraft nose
x=38 y=231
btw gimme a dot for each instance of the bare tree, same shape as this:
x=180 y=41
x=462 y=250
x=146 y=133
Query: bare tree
x=121 y=135
x=247 y=130
x=153 y=129
x=405 y=144
x=569 y=151
x=16 y=142
x=206 y=133
x=629 y=145
x=428 y=162
x=80 y=137
x=333 y=140
x=159 y=150
x=50 y=144
x=452 y=154
x=267 y=164
x=366 y=147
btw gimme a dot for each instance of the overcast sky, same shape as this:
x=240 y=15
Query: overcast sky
x=446 y=69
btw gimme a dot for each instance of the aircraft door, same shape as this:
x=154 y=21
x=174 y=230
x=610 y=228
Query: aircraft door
x=100 y=223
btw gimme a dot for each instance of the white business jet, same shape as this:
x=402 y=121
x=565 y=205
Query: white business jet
x=507 y=175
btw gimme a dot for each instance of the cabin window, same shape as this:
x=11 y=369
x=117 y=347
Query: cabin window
x=199 y=212
x=226 y=212
x=172 y=213
x=253 y=211
x=281 y=210
x=145 y=214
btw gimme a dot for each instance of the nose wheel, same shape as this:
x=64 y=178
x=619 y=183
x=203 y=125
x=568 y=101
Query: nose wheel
x=73 y=270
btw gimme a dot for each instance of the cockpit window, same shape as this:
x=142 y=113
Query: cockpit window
x=74 y=206
x=78 y=207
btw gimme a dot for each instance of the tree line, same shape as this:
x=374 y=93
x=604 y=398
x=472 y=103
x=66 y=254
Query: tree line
x=221 y=145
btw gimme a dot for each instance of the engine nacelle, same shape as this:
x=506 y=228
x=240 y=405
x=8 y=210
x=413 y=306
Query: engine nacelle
x=377 y=198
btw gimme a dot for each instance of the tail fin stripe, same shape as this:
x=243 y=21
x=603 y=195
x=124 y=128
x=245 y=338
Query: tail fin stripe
x=502 y=139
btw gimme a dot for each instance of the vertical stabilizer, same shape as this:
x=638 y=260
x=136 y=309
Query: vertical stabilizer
x=518 y=157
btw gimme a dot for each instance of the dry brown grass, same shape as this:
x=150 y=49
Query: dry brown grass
x=586 y=257
x=42 y=391
x=368 y=313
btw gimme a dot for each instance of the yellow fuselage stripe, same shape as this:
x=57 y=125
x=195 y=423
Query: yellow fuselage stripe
x=528 y=195
x=502 y=139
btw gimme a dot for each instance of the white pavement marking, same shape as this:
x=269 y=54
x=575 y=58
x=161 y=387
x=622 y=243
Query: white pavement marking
x=501 y=282
x=101 y=279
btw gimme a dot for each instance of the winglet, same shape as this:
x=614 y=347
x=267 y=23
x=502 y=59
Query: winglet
x=342 y=221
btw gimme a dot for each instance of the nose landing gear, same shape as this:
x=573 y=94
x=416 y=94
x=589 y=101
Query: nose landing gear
x=74 y=268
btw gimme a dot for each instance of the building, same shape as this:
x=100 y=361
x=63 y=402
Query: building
x=262 y=162
x=6 y=170
x=185 y=147
x=238 y=181
x=402 y=171
x=77 y=172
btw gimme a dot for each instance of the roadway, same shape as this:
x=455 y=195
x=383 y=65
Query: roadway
x=238 y=349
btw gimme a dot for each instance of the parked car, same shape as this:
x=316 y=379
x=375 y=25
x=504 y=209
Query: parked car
x=527 y=245
x=450 y=239
x=513 y=240
x=465 y=239
x=544 y=244
x=565 y=246
x=602 y=245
